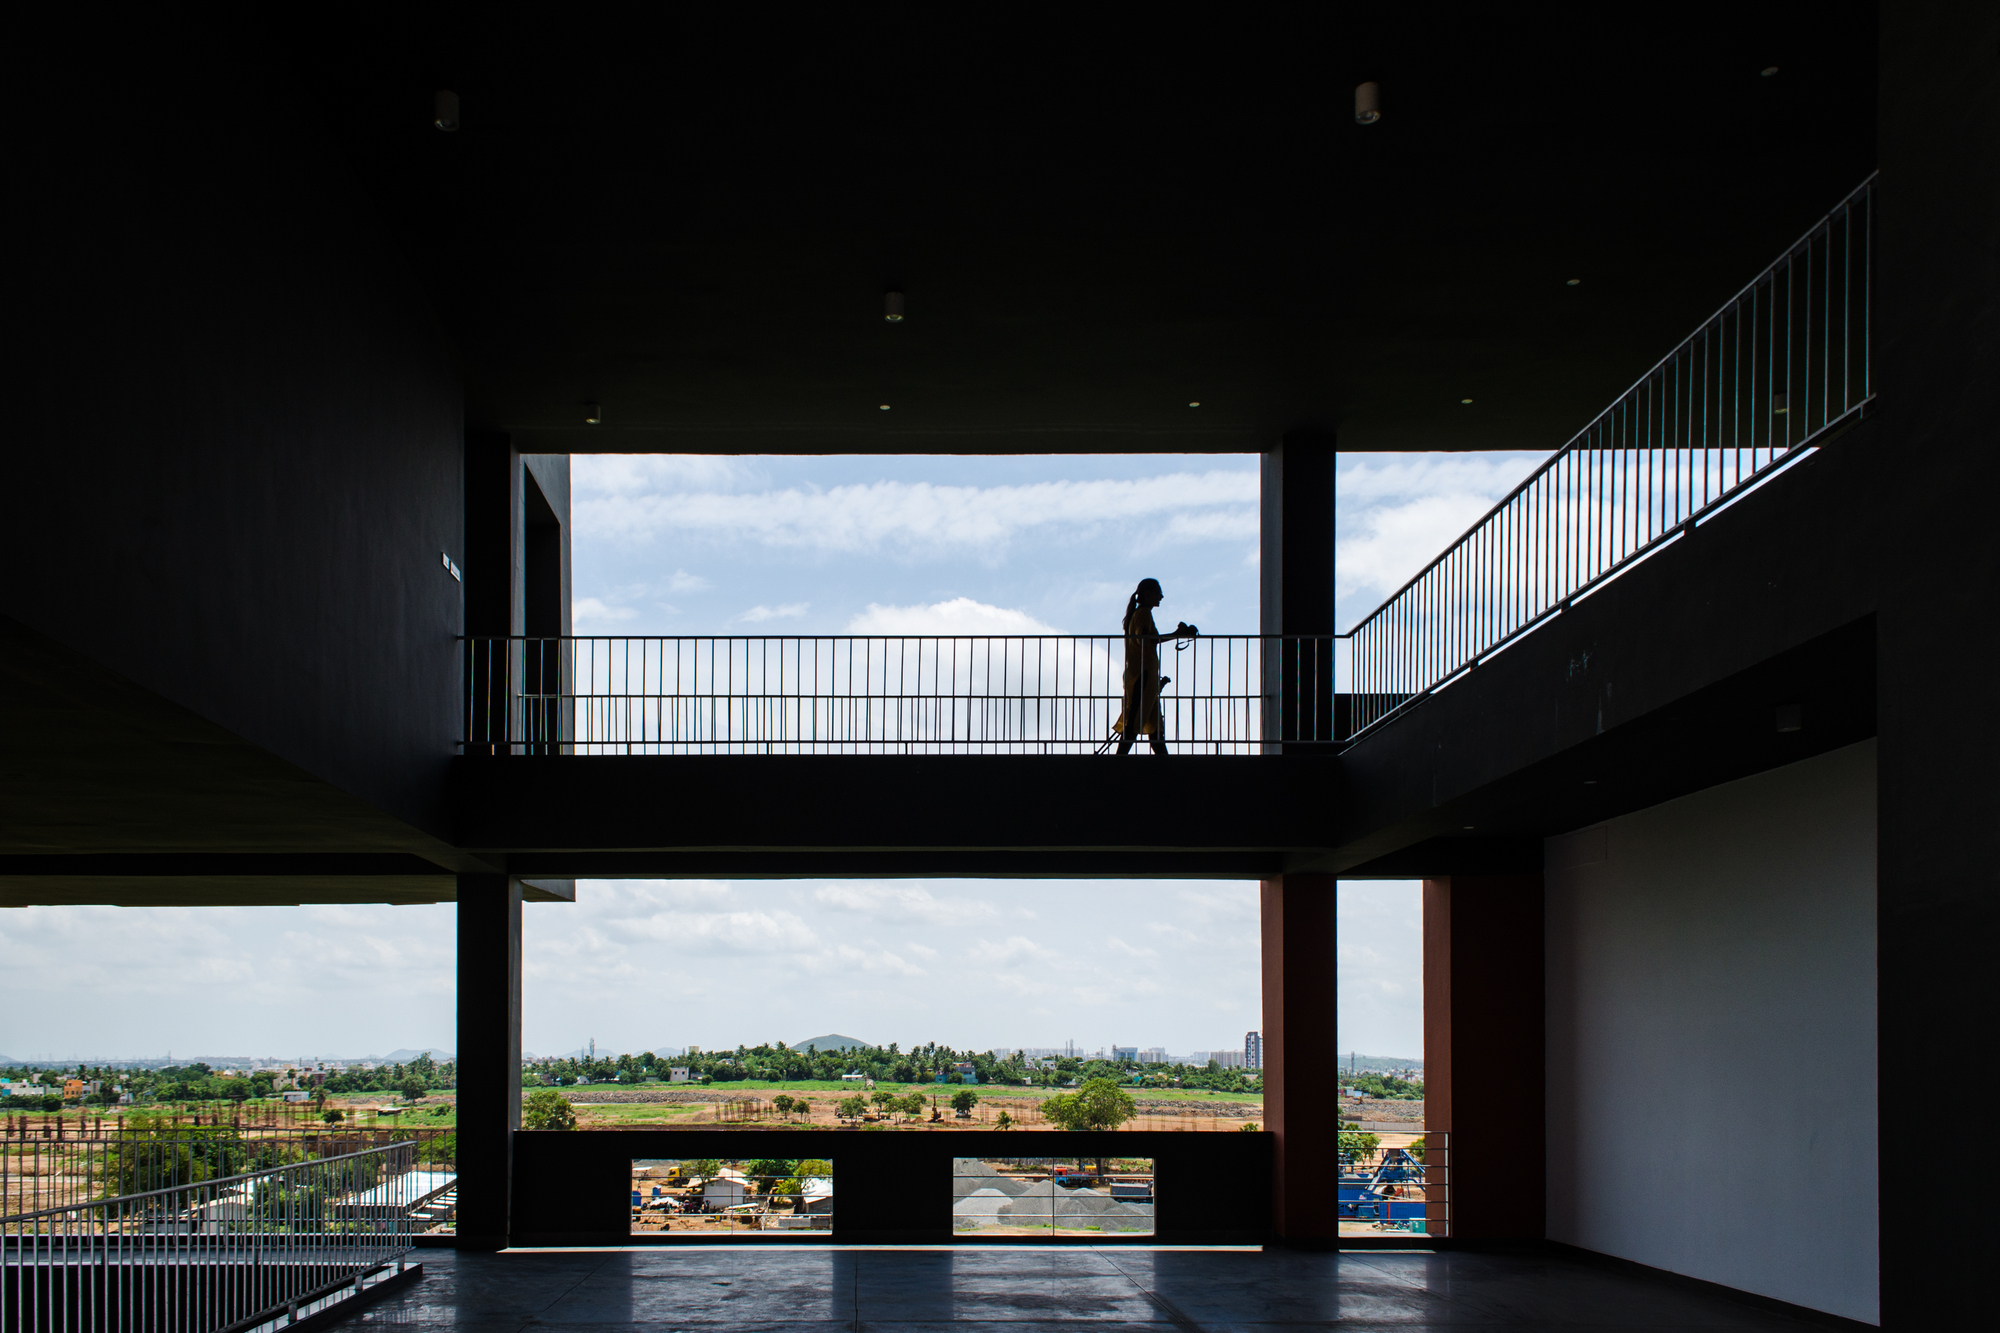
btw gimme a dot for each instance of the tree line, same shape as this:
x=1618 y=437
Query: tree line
x=885 y=1064
x=198 y=1082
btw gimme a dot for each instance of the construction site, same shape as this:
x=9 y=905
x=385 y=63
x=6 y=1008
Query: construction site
x=1052 y=1196
x=721 y=1198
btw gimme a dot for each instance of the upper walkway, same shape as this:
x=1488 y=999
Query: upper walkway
x=1777 y=371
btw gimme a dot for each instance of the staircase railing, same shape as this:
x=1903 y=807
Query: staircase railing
x=1783 y=364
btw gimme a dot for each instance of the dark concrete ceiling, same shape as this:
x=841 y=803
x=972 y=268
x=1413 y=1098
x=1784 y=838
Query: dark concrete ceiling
x=1094 y=226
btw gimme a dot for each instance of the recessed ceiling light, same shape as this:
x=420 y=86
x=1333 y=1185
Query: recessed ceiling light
x=593 y=415
x=885 y=407
x=1468 y=828
x=1465 y=400
x=1368 y=103
x=1197 y=403
x=1770 y=70
x=892 y=307
x=1576 y=282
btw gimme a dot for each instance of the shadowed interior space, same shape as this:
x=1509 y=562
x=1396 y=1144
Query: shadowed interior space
x=492 y=459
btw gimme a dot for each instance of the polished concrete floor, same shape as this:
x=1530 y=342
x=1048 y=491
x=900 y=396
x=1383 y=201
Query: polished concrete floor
x=1039 y=1290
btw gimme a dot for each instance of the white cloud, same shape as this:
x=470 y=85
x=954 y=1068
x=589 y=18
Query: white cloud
x=634 y=474
x=593 y=608
x=921 y=950
x=1399 y=511
x=682 y=581
x=1405 y=476
x=904 y=902
x=137 y=982
x=744 y=932
x=1214 y=525
x=1131 y=951
x=1398 y=540
x=960 y=615
x=1007 y=950
x=866 y=517
x=758 y=614
x=876 y=960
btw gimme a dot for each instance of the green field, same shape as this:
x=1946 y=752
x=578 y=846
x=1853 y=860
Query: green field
x=634 y=1111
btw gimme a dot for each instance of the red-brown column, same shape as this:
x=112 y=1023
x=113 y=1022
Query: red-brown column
x=1301 y=1071
x=1483 y=1049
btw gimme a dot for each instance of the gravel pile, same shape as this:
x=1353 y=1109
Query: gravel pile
x=1002 y=1202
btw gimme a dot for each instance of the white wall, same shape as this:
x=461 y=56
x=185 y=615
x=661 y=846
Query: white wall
x=1711 y=1035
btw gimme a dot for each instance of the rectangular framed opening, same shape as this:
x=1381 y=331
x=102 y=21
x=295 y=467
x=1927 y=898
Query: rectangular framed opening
x=1053 y=1196
x=1391 y=1183
x=767 y=1197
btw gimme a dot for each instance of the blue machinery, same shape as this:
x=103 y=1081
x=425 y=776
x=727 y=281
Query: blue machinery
x=1392 y=1197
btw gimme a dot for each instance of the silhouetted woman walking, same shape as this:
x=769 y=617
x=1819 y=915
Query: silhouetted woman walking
x=1141 y=716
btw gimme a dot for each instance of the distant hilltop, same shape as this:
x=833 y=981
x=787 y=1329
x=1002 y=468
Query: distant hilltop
x=832 y=1041
x=1379 y=1064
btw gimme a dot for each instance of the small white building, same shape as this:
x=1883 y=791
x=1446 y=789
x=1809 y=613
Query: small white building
x=677 y=1074
x=730 y=1189
x=853 y=1078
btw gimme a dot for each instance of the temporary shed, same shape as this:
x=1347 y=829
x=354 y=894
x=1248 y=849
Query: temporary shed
x=727 y=1190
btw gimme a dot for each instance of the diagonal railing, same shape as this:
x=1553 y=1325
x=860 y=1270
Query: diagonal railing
x=243 y=1253
x=1781 y=366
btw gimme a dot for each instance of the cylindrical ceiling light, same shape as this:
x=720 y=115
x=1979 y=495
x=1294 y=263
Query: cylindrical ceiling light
x=892 y=307
x=1368 y=104
x=445 y=111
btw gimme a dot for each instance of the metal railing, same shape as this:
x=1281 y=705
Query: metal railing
x=1782 y=364
x=1043 y=694
x=49 y=1162
x=255 y=1248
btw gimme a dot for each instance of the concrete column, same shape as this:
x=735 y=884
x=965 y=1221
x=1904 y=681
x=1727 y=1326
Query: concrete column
x=1937 y=371
x=1484 y=1049
x=494 y=603
x=489 y=1055
x=1301 y=1067
x=1296 y=583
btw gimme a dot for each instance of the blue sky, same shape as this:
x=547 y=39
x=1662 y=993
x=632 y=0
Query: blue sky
x=667 y=545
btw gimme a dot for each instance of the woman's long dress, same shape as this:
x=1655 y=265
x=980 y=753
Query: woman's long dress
x=1141 y=716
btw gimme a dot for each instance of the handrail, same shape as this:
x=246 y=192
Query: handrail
x=216 y=1256
x=887 y=694
x=1776 y=369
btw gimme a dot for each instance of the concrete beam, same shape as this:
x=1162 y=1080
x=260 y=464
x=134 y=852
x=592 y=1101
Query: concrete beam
x=814 y=814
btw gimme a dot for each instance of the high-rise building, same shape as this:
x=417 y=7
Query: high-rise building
x=1253 y=1050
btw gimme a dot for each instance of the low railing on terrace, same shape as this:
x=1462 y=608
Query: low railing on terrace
x=991 y=694
x=1783 y=364
x=254 y=1249
x=47 y=1162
